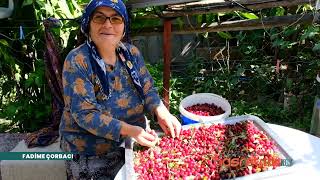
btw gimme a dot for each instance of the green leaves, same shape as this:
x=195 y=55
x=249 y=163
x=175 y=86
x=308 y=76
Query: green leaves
x=27 y=2
x=316 y=47
x=310 y=32
x=278 y=11
x=283 y=44
x=49 y=10
x=290 y=31
x=279 y=43
x=3 y=42
x=63 y=9
x=74 y=8
x=36 y=78
x=225 y=35
x=24 y=96
x=248 y=15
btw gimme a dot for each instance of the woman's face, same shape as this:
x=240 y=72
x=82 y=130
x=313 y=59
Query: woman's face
x=106 y=33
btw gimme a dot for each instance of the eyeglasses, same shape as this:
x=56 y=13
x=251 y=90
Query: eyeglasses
x=101 y=19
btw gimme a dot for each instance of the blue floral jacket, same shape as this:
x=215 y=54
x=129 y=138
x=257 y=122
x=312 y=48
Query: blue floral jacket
x=90 y=123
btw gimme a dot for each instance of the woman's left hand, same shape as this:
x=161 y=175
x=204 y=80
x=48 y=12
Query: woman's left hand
x=168 y=122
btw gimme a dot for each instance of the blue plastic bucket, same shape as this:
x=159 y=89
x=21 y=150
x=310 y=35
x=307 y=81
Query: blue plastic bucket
x=186 y=121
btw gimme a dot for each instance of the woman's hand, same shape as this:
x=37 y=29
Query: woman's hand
x=144 y=138
x=168 y=122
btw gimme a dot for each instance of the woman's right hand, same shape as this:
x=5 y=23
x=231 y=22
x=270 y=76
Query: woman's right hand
x=144 y=138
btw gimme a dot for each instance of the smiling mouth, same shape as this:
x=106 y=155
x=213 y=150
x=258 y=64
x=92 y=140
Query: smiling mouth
x=106 y=34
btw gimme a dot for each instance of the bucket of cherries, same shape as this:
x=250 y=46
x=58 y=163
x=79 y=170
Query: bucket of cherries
x=203 y=107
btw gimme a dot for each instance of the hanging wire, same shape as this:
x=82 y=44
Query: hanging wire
x=27 y=35
x=78 y=20
x=6 y=36
x=39 y=20
x=18 y=27
x=22 y=36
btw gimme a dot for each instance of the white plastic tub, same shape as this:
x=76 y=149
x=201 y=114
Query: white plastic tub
x=201 y=98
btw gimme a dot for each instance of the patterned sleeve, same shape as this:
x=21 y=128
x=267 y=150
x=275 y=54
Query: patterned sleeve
x=80 y=98
x=152 y=99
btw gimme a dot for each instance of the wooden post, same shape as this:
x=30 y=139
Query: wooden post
x=167 y=60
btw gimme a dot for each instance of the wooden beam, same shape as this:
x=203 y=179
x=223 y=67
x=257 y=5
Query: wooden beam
x=228 y=7
x=147 y=3
x=205 y=3
x=167 y=61
x=240 y=25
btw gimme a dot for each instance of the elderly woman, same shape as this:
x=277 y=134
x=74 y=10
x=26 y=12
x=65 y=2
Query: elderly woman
x=107 y=91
